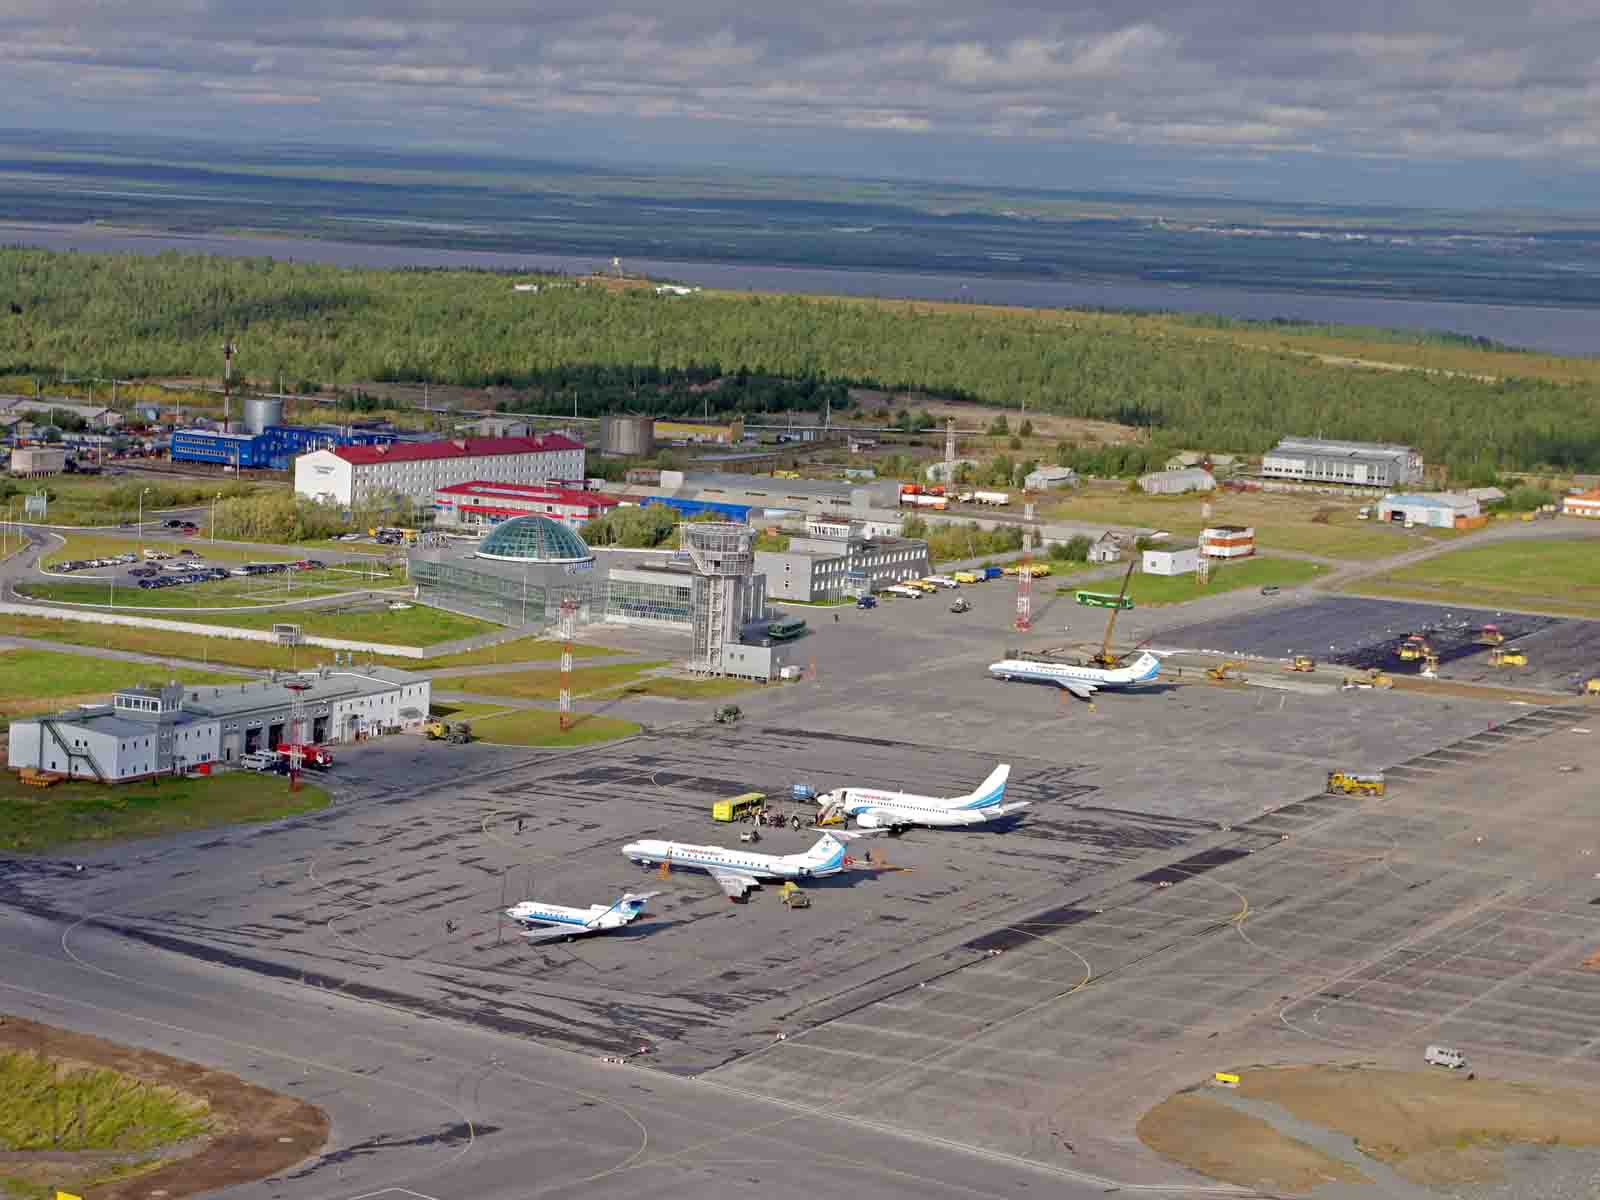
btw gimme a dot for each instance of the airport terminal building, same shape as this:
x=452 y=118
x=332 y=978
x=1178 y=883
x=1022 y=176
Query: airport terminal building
x=837 y=559
x=165 y=730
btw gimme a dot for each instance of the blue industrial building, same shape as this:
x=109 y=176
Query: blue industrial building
x=272 y=449
x=695 y=508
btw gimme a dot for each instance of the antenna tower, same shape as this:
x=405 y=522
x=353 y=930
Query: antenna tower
x=1024 y=620
x=568 y=628
x=298 y=731
x=950 y=451
x=227 y=382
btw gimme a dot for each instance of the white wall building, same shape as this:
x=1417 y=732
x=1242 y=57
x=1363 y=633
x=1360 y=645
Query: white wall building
x=164 y=730
x=1322 y=461
x=356 y=475
x=1171 y=560
x=1442 y=510
x=1173 y=483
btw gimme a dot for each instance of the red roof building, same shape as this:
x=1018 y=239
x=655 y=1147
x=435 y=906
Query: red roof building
x=360 y=475
x=480 y=503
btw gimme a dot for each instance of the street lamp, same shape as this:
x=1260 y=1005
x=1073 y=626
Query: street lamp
x=214 y=500
x=143 y=493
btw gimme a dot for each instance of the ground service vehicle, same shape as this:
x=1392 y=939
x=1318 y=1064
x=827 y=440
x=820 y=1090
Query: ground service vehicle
x=905 y=590
x=259 y=760
x=786 y=629
x=966 y=577
x=1353 y=784
x=793 y=897
x=1502 y=657
x=866 y=602
x=1103 y=600
x=458 y=733
x=1444 y=1056
x=992 y=572
x=311 y=756
x=739 y=808
x=1303 y=662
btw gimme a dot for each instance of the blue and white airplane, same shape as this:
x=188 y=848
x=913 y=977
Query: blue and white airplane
x=547 y=922
x=894 y=811
x=737 y=871
x=1081 y=679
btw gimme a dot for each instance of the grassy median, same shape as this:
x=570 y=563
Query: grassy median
x=36 y=820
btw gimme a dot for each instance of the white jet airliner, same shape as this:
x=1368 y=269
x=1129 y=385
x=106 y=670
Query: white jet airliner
x=737 y=871
x=546 y=922
x=1081 y=679
x=894 y=811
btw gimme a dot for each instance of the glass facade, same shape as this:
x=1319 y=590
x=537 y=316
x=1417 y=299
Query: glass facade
x=632 y=599
x=534 y=539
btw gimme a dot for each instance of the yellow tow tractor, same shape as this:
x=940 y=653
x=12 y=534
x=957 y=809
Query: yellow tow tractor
x=1352 y=783
x=1303 y=662
x=793 y=896
x=1502 y=657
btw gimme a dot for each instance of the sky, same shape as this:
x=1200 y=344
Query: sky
x=1461 y=103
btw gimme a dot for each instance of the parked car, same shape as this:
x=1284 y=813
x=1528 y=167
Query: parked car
x=258 y=761
x=186 y=550
x=148 y=583
x=172 y=523
x=315 y=564
x=867 y=602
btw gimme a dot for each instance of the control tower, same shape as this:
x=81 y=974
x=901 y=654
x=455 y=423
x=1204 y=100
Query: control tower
x=723 y=554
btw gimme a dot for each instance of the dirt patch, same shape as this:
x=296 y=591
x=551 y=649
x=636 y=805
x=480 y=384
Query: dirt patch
x=257 y=1133
x=1223 y=1143
x=1437 y=1129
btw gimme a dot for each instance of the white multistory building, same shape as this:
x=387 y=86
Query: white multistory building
x=357 y=475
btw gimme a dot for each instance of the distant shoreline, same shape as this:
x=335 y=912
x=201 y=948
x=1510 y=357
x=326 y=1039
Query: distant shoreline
x=1548 y=328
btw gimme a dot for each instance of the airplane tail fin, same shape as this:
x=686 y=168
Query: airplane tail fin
x=991 y=791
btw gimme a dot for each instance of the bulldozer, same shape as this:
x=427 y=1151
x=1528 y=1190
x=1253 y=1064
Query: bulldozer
x=1414 y=647
x=1372 y=679
x=1490 y=635
x=1353 y=783
x=1303 y=662
x=1225 y=672
x=1502 y=657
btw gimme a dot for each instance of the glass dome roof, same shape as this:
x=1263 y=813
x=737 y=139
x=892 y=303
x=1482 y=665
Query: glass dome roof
x=534 y=539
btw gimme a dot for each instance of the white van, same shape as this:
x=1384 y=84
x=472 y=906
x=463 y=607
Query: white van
x=1444 y=1056
x=258 y=761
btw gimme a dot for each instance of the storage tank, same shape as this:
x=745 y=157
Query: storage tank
x=627 y=435
x=260 y=411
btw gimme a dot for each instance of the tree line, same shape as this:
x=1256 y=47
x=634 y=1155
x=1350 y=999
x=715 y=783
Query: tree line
x=169 y=314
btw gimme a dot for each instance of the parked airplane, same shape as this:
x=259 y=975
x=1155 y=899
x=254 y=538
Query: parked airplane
x=1081 y=679
x=894 y=811
x=737 y=871
x=546 y=922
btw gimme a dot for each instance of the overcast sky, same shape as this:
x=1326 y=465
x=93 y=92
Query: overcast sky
x=1400 y=101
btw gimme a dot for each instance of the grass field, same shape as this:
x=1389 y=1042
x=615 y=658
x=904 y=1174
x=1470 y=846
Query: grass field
x=105 y=499
x=414 y=626
x=543 y=685
x=1155 y=591
x=40 y=819
x=1544 y=574
x=262 y=655
x=91 y=545
x=542 y=727
x=1320 y=525
x=61 y=1107
x=44 y=680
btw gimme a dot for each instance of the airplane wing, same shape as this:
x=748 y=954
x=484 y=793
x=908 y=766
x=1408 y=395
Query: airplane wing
x=1083 y=691
x=553 y=933
x=735 y=883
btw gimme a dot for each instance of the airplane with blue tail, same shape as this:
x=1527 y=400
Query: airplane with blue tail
x=548 y=922
x=1081 y=679
x=897 y=811
x=737 y=871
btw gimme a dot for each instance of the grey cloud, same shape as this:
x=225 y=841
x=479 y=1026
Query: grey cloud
x=1412 y=78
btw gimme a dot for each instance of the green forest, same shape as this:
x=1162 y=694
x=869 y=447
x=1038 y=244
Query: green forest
x=168 y=315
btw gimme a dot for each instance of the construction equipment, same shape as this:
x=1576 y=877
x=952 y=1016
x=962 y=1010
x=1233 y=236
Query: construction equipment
x=1105 y=658
x=1374 y=678
x=1591 y=687
x=1490 y=635
x=1352 y=783
x=1303 y=662
x=1225 y=672
x=436 y=729
x=793 y=897
x=32 y=777
x=457 y=733
x=728 y=714
x=1500 y=656
x=1430 y=665
x=1413 y=648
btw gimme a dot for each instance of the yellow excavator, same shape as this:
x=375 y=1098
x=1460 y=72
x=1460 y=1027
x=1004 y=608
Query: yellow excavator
x=1226 y=672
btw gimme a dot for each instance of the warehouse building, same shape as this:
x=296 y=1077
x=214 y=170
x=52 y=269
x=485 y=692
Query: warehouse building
x=1315 y=460
x=478 y=504
x=357 y=475
x=758 y=497
x=37 y=462
x=170 y=729
x=1045 y=479
x=1171 y=560
x=1228 y=541
x=837 y=559
x=270 y=449
x=1175 y=483
x=1441 y=510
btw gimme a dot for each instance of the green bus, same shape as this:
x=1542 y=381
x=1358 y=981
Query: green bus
x=787 y=629
x=1103 y=600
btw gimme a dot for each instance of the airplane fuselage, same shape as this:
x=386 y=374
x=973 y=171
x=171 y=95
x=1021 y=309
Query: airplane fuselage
x=720 y=858
x=1069 y=675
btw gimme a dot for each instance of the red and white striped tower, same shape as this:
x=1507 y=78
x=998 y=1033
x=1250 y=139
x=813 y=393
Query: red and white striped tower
x=568 y=628
x=299 y=731
x=1024 y=596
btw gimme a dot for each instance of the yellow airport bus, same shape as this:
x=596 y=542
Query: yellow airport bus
x=739 y=808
